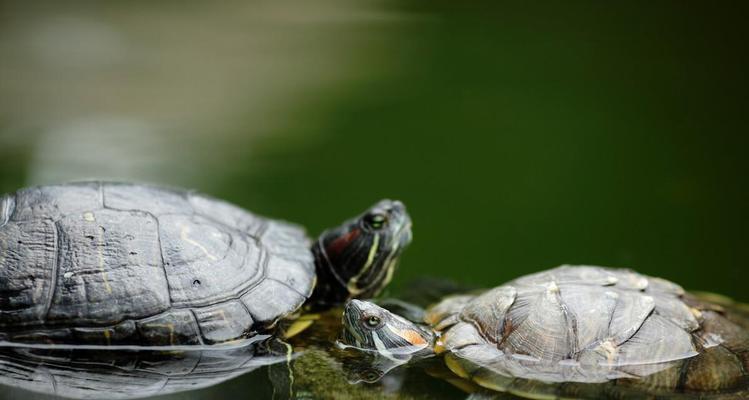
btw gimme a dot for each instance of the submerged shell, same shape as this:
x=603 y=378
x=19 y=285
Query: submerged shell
x=592 y=325
x=106 y=263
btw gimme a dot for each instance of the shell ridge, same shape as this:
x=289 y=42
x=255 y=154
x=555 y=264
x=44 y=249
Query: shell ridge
x=7 y=208
x=627 y=331
x=611 y=315
x=244 y=306
x=503 y=321
x=200 y=358
x=166 y=382
x=495 y=302
x=257 y=278
x=571 y=321
x=199 y=329
x=681 y=382
x=163 y=260
x=287 y=286
x=636 y=330
x=543 y=333
x=54 y=276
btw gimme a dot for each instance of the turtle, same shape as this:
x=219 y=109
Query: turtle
x=570 y=332
x=108 y=266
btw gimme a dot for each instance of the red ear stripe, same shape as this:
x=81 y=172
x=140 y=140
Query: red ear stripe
x=342 y=242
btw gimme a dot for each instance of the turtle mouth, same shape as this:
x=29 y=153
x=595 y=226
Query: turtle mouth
x=399 y=216
x=351 y=337
x=404 y=234
x=404 y=231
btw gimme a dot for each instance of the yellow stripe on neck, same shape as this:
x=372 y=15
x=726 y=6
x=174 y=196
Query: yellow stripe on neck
x=352 y=287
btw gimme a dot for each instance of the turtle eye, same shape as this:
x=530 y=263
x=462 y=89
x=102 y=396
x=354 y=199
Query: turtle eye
x=371 y=376
x=375 y=220
x=373 y=321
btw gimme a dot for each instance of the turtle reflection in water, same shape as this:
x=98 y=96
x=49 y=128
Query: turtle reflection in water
x=86 y=373
x=572 y=332
x=89 y=268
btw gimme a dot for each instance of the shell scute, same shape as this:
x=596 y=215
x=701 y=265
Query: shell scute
x=677 y=312
x=172 y=328
x=146 y=198
x=488 y=311
x=289 y=241
x=592 y=308
x=541 y=326
x=290 y=274
x=223 y=322
x=109 y=269
x=631 y=310
x=270 y=300
x=121 y=333
x=207 y=263
x=716 y=369
x=42 y=336
x=56 y=201
x=28 y=255
x=656 y=345
x=227 y=214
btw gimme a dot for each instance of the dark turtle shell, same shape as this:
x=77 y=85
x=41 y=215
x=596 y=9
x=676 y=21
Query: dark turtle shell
x=124 y=264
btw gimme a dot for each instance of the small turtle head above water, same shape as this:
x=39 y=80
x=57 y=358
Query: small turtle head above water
x=371 y=327
x=357 y=259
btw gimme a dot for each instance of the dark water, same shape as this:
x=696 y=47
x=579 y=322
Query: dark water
x=519 y=137
x=206 y=374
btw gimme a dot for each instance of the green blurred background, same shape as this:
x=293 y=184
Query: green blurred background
x=520 y=136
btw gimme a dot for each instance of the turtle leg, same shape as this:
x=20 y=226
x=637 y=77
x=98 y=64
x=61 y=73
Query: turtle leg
x=300 y=324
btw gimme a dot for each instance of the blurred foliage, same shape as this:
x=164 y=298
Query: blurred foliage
x=522 y=140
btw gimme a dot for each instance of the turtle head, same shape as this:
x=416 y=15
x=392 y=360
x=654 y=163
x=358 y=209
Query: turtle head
x=368 y=326
x=357 y=259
